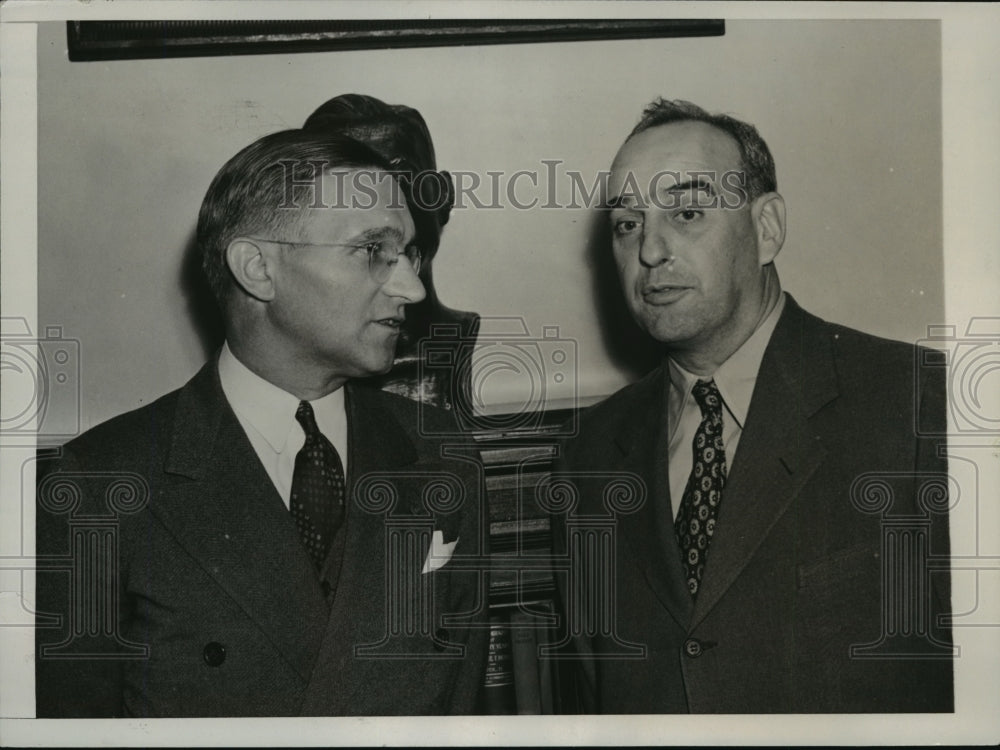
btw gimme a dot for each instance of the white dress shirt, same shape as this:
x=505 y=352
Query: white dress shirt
x=267 y=415
x=735 y=378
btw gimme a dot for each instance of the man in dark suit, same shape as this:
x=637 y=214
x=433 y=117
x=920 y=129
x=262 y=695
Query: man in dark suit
x=272 y=539
x=784 y=545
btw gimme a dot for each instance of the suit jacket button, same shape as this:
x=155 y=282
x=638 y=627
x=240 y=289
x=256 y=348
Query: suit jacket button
x=692 y=647
x=440 y=639
x=214 y=654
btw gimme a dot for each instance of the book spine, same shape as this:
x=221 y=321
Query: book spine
x=544 y=637
x=498 y=688
x=527 y=682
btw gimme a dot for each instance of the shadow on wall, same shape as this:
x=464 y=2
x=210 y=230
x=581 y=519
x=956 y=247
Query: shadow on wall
x=628 y=346
x=202 y=309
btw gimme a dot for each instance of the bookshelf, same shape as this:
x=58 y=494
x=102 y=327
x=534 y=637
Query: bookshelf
x=524 y=607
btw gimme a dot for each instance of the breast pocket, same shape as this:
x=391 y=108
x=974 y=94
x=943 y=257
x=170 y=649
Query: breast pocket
x=849 y=567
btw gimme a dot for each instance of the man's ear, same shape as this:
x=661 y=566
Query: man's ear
x=768 y=213
x=251 y=267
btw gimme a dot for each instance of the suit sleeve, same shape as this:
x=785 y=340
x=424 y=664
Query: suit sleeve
x=77 y=672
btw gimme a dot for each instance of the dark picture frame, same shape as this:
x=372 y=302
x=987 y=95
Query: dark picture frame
x=131 y=40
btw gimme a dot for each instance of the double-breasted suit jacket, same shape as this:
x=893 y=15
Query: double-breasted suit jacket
x=194 y=596
x=817 y=594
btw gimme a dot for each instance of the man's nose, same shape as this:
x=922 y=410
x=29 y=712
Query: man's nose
x=404 y=282
x=654 y=247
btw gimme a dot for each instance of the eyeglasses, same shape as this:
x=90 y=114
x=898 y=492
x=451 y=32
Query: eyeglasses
x=382 y=256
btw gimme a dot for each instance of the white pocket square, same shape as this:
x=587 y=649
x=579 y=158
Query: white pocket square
x=439 y=554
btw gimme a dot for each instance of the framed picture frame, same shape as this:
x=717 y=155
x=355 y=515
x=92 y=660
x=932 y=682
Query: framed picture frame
x=130 y=40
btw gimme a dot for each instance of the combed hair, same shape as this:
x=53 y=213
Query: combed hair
x=757 y=162
x=247 y=195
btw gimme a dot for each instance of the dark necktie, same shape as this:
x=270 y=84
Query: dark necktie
x=695 y=522
x=318 y=488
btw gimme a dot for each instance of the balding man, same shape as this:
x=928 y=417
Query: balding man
x=761 y=572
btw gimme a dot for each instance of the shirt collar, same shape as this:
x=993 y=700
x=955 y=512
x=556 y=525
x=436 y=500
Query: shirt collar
x=737 y=376
x=265 y=406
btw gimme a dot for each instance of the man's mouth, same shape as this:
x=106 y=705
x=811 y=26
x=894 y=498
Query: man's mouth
x=663 y=294
x=395 y=322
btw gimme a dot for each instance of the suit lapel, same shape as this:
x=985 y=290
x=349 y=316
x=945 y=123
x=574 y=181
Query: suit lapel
x=648 y=535
x=227 y=514
x=377 y=443
x=778 y=450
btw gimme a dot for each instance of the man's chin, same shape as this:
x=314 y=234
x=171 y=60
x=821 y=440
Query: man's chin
x=663 y=330
x=383 y=364
x=373 y=364
x=377 y=369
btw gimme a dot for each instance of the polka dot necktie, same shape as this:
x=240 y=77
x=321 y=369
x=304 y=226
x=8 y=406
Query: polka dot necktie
x=318 y=488
x=695 y=522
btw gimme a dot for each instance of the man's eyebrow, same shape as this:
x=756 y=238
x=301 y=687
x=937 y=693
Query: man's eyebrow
x=380 y=233
x=698 y=184
x=620 y=201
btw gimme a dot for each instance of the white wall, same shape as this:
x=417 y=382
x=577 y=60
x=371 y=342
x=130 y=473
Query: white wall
x=851 y=110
